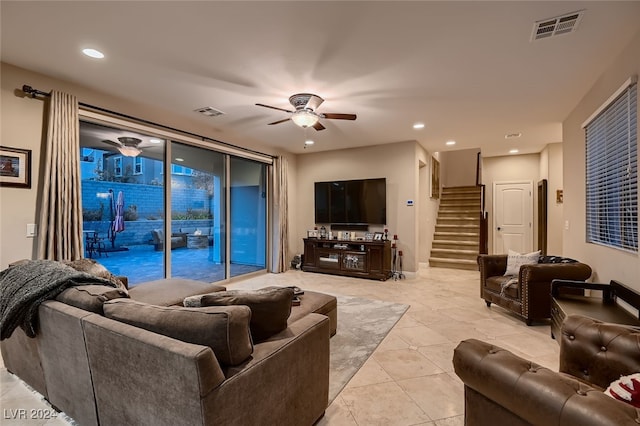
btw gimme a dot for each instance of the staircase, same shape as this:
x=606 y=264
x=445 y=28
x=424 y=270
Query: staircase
x=457 y=234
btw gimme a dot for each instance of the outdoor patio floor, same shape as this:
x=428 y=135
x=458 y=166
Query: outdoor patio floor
x=142 y=263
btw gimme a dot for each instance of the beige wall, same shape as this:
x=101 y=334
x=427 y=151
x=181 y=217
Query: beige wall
x=458 y=168
x=607 y=263
x=551 y=169
x=510 y=169
x=399 y=163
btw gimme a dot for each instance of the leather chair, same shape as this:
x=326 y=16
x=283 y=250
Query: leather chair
x=501 y=388
x=530 y=297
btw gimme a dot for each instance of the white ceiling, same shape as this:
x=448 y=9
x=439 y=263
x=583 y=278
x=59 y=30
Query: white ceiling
x=468 y=70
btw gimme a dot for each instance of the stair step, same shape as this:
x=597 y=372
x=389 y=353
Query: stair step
x=457 y=220
x=449 y=210
x=450 y=202
x=454 y=254
x=457 y=189
x=448 y=235
x=470 y=265
x=457 y=236
x=448 y=243
x=465 y=227
x=475 y=197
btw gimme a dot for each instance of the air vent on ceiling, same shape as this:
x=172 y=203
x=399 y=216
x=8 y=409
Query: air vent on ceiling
x=555 y=26
x=209 y=111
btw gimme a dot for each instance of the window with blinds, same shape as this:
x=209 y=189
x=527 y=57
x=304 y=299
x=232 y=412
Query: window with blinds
x=612 y=173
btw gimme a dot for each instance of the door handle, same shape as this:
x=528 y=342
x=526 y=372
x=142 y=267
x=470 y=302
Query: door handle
x=499 y=228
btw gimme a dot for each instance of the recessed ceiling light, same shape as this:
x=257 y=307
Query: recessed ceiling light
x=155 y=140
x=93 y=53
x=451 y=142
x=512 y=135
x=180 y=159
x=309 y=142
x=513 y=151
x=418 y=126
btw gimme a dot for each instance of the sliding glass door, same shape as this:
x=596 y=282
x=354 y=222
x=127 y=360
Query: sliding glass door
x=123 y=202
x=216 y=204
x=248 y=216
x=198 y=210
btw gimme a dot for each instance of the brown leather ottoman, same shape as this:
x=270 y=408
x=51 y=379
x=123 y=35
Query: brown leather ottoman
x=318 y=303
x=171 y=291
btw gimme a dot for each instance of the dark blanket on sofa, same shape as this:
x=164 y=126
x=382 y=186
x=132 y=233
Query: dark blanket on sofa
x=24 y=286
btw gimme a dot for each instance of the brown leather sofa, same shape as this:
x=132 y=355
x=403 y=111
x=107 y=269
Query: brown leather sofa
x=503 y=389
x=530 y=297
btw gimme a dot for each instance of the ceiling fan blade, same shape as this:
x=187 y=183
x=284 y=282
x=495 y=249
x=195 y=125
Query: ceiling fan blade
x=279 y=121
x=313 y=102
x=117 y=144
x=272 y=107
x=339 y=116
x=318 y=126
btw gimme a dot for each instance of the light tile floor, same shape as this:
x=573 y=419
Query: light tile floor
x=409 y=379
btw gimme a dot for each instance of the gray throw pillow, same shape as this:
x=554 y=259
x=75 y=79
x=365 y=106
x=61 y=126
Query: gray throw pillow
x=90 y=297
x=225 y=329
x=270 y=308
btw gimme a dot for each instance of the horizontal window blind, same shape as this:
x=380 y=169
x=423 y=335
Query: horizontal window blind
x=612 y=173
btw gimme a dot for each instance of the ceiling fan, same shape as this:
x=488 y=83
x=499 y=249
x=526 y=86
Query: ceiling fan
x=305 y=114
x=128 y=146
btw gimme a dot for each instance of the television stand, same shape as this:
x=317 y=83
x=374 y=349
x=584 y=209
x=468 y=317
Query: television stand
x=362 y=259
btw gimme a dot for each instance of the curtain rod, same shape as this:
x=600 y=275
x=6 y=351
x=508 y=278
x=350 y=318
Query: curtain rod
x=35 y=92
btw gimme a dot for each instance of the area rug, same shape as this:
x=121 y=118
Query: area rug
x=362 y=325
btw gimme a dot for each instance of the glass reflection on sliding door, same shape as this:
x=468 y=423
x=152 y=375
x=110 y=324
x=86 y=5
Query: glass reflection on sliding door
x=197 y=213
x=248 y=216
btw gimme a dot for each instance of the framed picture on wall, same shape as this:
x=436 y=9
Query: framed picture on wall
x=435 y=178
x=15 y=167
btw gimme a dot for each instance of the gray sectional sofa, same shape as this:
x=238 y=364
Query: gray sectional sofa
x=102 y=371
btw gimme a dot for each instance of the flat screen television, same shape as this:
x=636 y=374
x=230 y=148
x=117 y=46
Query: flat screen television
x=351 y=202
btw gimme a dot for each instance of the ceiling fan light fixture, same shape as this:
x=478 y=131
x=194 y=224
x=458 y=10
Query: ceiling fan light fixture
x=129 y=151
x=129 y=146
x=305 y=118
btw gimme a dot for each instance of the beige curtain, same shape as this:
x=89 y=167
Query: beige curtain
x=279 y=221
x=60 y=233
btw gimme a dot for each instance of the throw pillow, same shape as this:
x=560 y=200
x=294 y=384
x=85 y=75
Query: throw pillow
x=515 y=260
x=556 y=259
x=270 y=308
x=92 y=267
x=90 y=297
x=626 y=389
x=225 y=329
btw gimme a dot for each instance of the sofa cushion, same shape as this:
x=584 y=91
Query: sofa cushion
x=90 y=297
x=504 y=286
x=225 y=329
x=171 y=291
x=94 y=268
x=270 y=308
x=515 y=260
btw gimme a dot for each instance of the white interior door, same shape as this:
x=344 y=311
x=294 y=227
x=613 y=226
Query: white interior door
x=513 y=217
